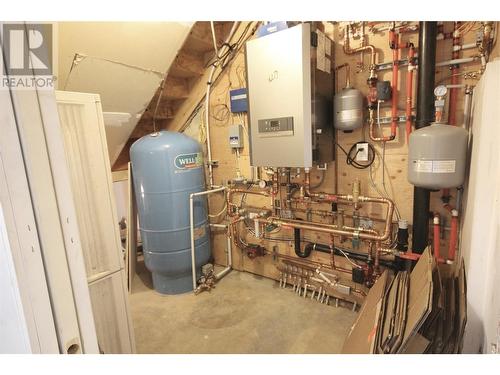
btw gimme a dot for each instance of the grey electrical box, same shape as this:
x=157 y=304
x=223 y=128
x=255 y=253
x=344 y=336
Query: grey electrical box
x=236 y=136
x=290 y=90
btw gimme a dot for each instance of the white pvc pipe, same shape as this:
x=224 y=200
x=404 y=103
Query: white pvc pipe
x=229 y=257
x=464 y=46
x=457 y=61
x=218 y=225
x=207 y=127
x=213 y=38
x=191 y=228
x=456 y=86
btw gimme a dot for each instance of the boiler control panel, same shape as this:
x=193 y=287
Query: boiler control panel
x=276 y=127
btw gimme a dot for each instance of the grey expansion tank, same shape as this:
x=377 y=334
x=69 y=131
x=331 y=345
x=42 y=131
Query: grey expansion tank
x=437 y=156
x=348 y=109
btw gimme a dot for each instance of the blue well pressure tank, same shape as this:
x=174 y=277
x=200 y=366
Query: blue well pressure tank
x=167 y=167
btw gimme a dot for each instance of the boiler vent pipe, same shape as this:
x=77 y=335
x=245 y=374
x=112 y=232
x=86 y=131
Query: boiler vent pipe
x=425 y=115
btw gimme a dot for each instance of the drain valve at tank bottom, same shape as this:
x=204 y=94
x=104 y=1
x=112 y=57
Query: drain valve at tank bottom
x=207 y=278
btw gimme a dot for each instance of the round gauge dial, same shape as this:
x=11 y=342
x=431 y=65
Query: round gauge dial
x=440 y=90
x=262 y=184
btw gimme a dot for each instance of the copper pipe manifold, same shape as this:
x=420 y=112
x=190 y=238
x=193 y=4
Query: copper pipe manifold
x=344 y=231
x=230 y=193
x=368 y=235
x=349 y=51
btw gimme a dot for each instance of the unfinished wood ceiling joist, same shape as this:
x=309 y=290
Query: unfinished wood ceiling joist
x=182 y=82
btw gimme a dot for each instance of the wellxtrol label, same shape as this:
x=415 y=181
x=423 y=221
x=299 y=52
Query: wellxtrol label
x=188 y=161
x=434 y=166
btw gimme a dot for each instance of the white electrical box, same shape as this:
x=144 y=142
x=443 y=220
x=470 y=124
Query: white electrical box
x=362 y=152
x=290 y=90
x=236 y=136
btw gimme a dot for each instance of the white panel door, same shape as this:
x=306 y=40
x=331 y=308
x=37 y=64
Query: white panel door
x=87 y=158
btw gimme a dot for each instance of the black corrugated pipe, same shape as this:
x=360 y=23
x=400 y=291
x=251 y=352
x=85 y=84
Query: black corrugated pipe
x=298 y=252
x=425 y=115
x=338 y=251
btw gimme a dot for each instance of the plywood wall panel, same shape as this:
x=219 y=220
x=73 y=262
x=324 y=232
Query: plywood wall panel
x=395 y=152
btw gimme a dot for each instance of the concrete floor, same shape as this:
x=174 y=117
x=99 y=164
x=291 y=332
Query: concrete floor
x=243 y=314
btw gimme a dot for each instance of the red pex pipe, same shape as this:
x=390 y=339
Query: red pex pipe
x=453 y=235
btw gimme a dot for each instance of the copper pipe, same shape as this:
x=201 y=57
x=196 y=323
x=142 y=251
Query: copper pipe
x=377 y=261
x=349 y=51
x=372 y=82
x=230 y=193
x=274 y=190
x=485 y=43
x=347 y=73
x=333 y=229
x=320 y=195
x=235 y=235
x=289 y=257
x=452 y=105
x=349 y=198
x=330 y=226
x=324 y=212
x=373 y=137
x=394 y=40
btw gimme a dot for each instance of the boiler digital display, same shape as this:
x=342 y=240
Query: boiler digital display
x=280 y=126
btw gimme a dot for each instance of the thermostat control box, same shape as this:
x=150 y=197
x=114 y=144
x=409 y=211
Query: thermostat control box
x=236 y=136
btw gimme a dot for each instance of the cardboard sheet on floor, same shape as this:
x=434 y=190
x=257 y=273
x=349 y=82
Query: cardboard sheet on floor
x=361 y=338
x=417 y=345
x=402 y=313
x=419 y=297
x=433 y=326
x=386 y=315
x=394 y=315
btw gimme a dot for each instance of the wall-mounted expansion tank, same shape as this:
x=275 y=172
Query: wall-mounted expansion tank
x=290 y=89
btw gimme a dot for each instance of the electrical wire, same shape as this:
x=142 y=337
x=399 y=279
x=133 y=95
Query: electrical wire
x=322 y=179
x=160 y=94
x=348 y=259
x=375 y=186
x=224 y=59
x=224 y=208
x=351 y=159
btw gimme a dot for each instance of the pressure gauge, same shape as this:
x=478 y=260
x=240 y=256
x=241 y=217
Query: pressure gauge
x=440 y=91
x=262 y=184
